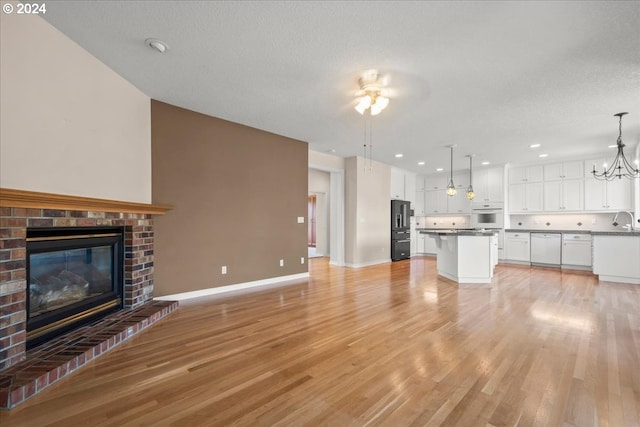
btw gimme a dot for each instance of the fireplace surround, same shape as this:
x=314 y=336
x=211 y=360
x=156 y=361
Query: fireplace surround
x=24 y=214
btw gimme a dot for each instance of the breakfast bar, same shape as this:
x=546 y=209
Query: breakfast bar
x=465 y=256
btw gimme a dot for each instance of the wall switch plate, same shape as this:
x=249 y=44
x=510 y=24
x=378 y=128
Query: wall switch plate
x=593 y=221
x=281 y=263
x=224 y=269
x=301 y=260
x=300 y=220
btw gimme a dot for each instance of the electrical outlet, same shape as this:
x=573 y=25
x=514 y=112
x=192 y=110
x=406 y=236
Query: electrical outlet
x=300 y=220
x=224 y=269
x=281 y=263
x=302 y=260
x=593 y=221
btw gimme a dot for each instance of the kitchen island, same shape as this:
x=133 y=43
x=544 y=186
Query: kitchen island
x=616 y=256
x=465 y=256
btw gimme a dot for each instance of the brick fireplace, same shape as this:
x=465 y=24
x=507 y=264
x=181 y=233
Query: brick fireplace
x=21 y=210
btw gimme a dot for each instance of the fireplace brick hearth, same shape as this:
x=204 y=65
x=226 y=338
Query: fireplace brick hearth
x=20 y=210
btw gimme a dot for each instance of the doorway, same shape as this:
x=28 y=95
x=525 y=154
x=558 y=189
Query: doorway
x=311 y=233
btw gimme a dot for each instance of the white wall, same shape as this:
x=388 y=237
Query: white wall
x=69 y=124
x=368 y=212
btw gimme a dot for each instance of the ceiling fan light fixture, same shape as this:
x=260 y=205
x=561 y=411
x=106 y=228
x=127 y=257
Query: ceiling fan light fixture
x=370 y=96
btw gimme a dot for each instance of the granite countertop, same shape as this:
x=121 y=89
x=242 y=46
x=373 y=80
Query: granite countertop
x=616 y=233
x=441 y=232
x=599 y=233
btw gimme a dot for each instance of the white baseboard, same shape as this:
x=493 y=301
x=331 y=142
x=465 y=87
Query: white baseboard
x=367 y=264
x=231 y=288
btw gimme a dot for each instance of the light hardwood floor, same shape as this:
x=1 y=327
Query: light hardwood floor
x=385 y=345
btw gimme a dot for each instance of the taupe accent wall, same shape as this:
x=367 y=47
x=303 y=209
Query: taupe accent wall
x=237 y=193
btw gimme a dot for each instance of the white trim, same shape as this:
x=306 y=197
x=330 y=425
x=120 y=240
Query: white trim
x=367 y=264
x=619 y=279
x=231 y=288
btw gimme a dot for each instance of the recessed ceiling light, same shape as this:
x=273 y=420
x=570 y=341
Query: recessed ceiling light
x=420 y=163
x=485 y=163
x=534 y=146
x=399 y=155
x=157 y=45
x=543 y=155
x=439 y=170
x=612 y=146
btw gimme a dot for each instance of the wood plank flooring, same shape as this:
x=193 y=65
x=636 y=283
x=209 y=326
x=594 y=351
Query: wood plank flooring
x=388 y=345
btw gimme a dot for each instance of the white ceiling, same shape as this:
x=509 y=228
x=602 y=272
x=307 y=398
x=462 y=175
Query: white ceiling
x=491 y=77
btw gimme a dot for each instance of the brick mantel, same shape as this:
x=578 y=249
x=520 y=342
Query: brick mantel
x=21 y=209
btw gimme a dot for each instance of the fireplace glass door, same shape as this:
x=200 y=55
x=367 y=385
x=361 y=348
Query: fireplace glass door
x=74 y=275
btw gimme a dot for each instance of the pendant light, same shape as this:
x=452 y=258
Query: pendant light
x=451 y=188
x=620 y=166
x=470 y=192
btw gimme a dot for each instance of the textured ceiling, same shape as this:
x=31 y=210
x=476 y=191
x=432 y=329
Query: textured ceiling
x=491 y=77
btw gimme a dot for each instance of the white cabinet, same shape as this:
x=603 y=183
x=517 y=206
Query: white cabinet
x=435 y=202
x=397 y=184
x=420 y=243
x=563 y=195
x=615 y=258
x=525 y=197
x=436 y=182
x=517 y=246
x=418 y=206
x=525 y=174
x=613 y=195
x=419 y=183
x=488 y=185
x=525 y=189
x=410 y=187
x=403 y=185
x=567 y=170
x=430 y=246
x=576 y=250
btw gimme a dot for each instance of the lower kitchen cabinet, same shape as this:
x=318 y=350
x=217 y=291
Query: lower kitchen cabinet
x=576 y=250
x=517 y=247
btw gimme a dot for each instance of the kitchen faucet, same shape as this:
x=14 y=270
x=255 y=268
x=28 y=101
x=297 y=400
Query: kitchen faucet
x=615 y=218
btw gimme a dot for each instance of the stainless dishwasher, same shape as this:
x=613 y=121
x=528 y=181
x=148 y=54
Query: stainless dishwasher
x=546 y=249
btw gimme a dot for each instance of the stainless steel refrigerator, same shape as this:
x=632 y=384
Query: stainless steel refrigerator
x=400 y=230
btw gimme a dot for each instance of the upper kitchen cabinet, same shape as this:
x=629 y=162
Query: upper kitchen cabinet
x=419 y=206
x=564 y=195
x=488 y=185
x=403 y=185
x=397 y=184
x=525 y=197
x=435 y=202
x=522 y=174
x=525 y=189
x=436 y=182
x=420 y=183
x=615 y=195
x=563 y=186
x=560 y=171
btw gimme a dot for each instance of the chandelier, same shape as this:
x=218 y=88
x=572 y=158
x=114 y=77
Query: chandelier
x=371 y=95
x=451 y=188
x=620 y=166
x=470 y=193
